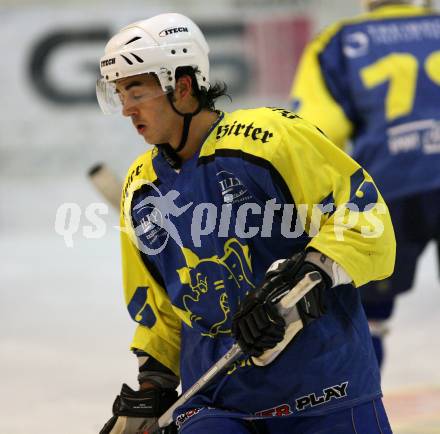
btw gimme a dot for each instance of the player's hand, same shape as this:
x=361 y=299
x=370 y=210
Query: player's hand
x=134 y=409
x=259 y=326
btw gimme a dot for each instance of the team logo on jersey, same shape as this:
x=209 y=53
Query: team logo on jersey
x=356 y=45
x=152 y=223
x=337 y=391
x=207 y=301
x=233 y=191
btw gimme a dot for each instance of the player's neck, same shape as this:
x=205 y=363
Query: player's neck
x=200 y=125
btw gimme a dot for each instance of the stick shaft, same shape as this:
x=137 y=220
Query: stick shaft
x=233 y=354
x=107 y=183
x=288 y=301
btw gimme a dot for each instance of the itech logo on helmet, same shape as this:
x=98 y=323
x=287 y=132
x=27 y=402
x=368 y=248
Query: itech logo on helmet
x=108 y=62
x=172 y=30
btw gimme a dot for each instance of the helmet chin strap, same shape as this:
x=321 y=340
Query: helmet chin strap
x=168 y=151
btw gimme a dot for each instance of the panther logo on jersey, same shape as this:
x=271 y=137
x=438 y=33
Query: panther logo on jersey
x=210 y=281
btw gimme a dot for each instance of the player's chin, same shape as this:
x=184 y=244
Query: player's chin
x=151 y=140
x=146 y=134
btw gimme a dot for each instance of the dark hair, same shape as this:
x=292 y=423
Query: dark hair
x=205 y=97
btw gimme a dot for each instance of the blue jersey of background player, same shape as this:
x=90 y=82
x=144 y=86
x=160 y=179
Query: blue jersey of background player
x=374 y=81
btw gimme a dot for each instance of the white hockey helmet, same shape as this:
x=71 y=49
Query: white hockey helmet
x=372 y=4
x=157 y=45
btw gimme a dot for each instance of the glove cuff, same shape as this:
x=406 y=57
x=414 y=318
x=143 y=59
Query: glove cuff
x=143 y=403
x=333 y=270
x=152 y=371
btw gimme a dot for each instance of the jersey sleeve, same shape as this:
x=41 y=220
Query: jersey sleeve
x=158 y=327
x=345 y=216
x=316 y=94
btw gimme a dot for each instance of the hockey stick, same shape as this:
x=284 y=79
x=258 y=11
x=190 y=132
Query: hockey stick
x=107 y=183
x=292 y=297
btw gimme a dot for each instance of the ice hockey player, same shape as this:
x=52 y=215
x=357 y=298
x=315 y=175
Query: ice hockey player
x=224 y=213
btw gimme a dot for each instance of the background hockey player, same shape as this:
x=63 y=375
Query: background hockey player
x=375 y=80
x=223 y=212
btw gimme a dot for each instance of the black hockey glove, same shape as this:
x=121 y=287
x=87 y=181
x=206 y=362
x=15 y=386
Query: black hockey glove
x=258 y=325
x=134 y=409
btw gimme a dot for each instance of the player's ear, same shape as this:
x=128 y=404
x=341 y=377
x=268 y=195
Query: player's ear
x=183 y=87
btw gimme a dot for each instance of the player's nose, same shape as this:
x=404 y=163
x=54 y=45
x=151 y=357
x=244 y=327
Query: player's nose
x=128 y=109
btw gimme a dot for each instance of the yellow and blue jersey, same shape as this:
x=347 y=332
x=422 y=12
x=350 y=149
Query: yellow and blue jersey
x=375 y=81
x=264 y=185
